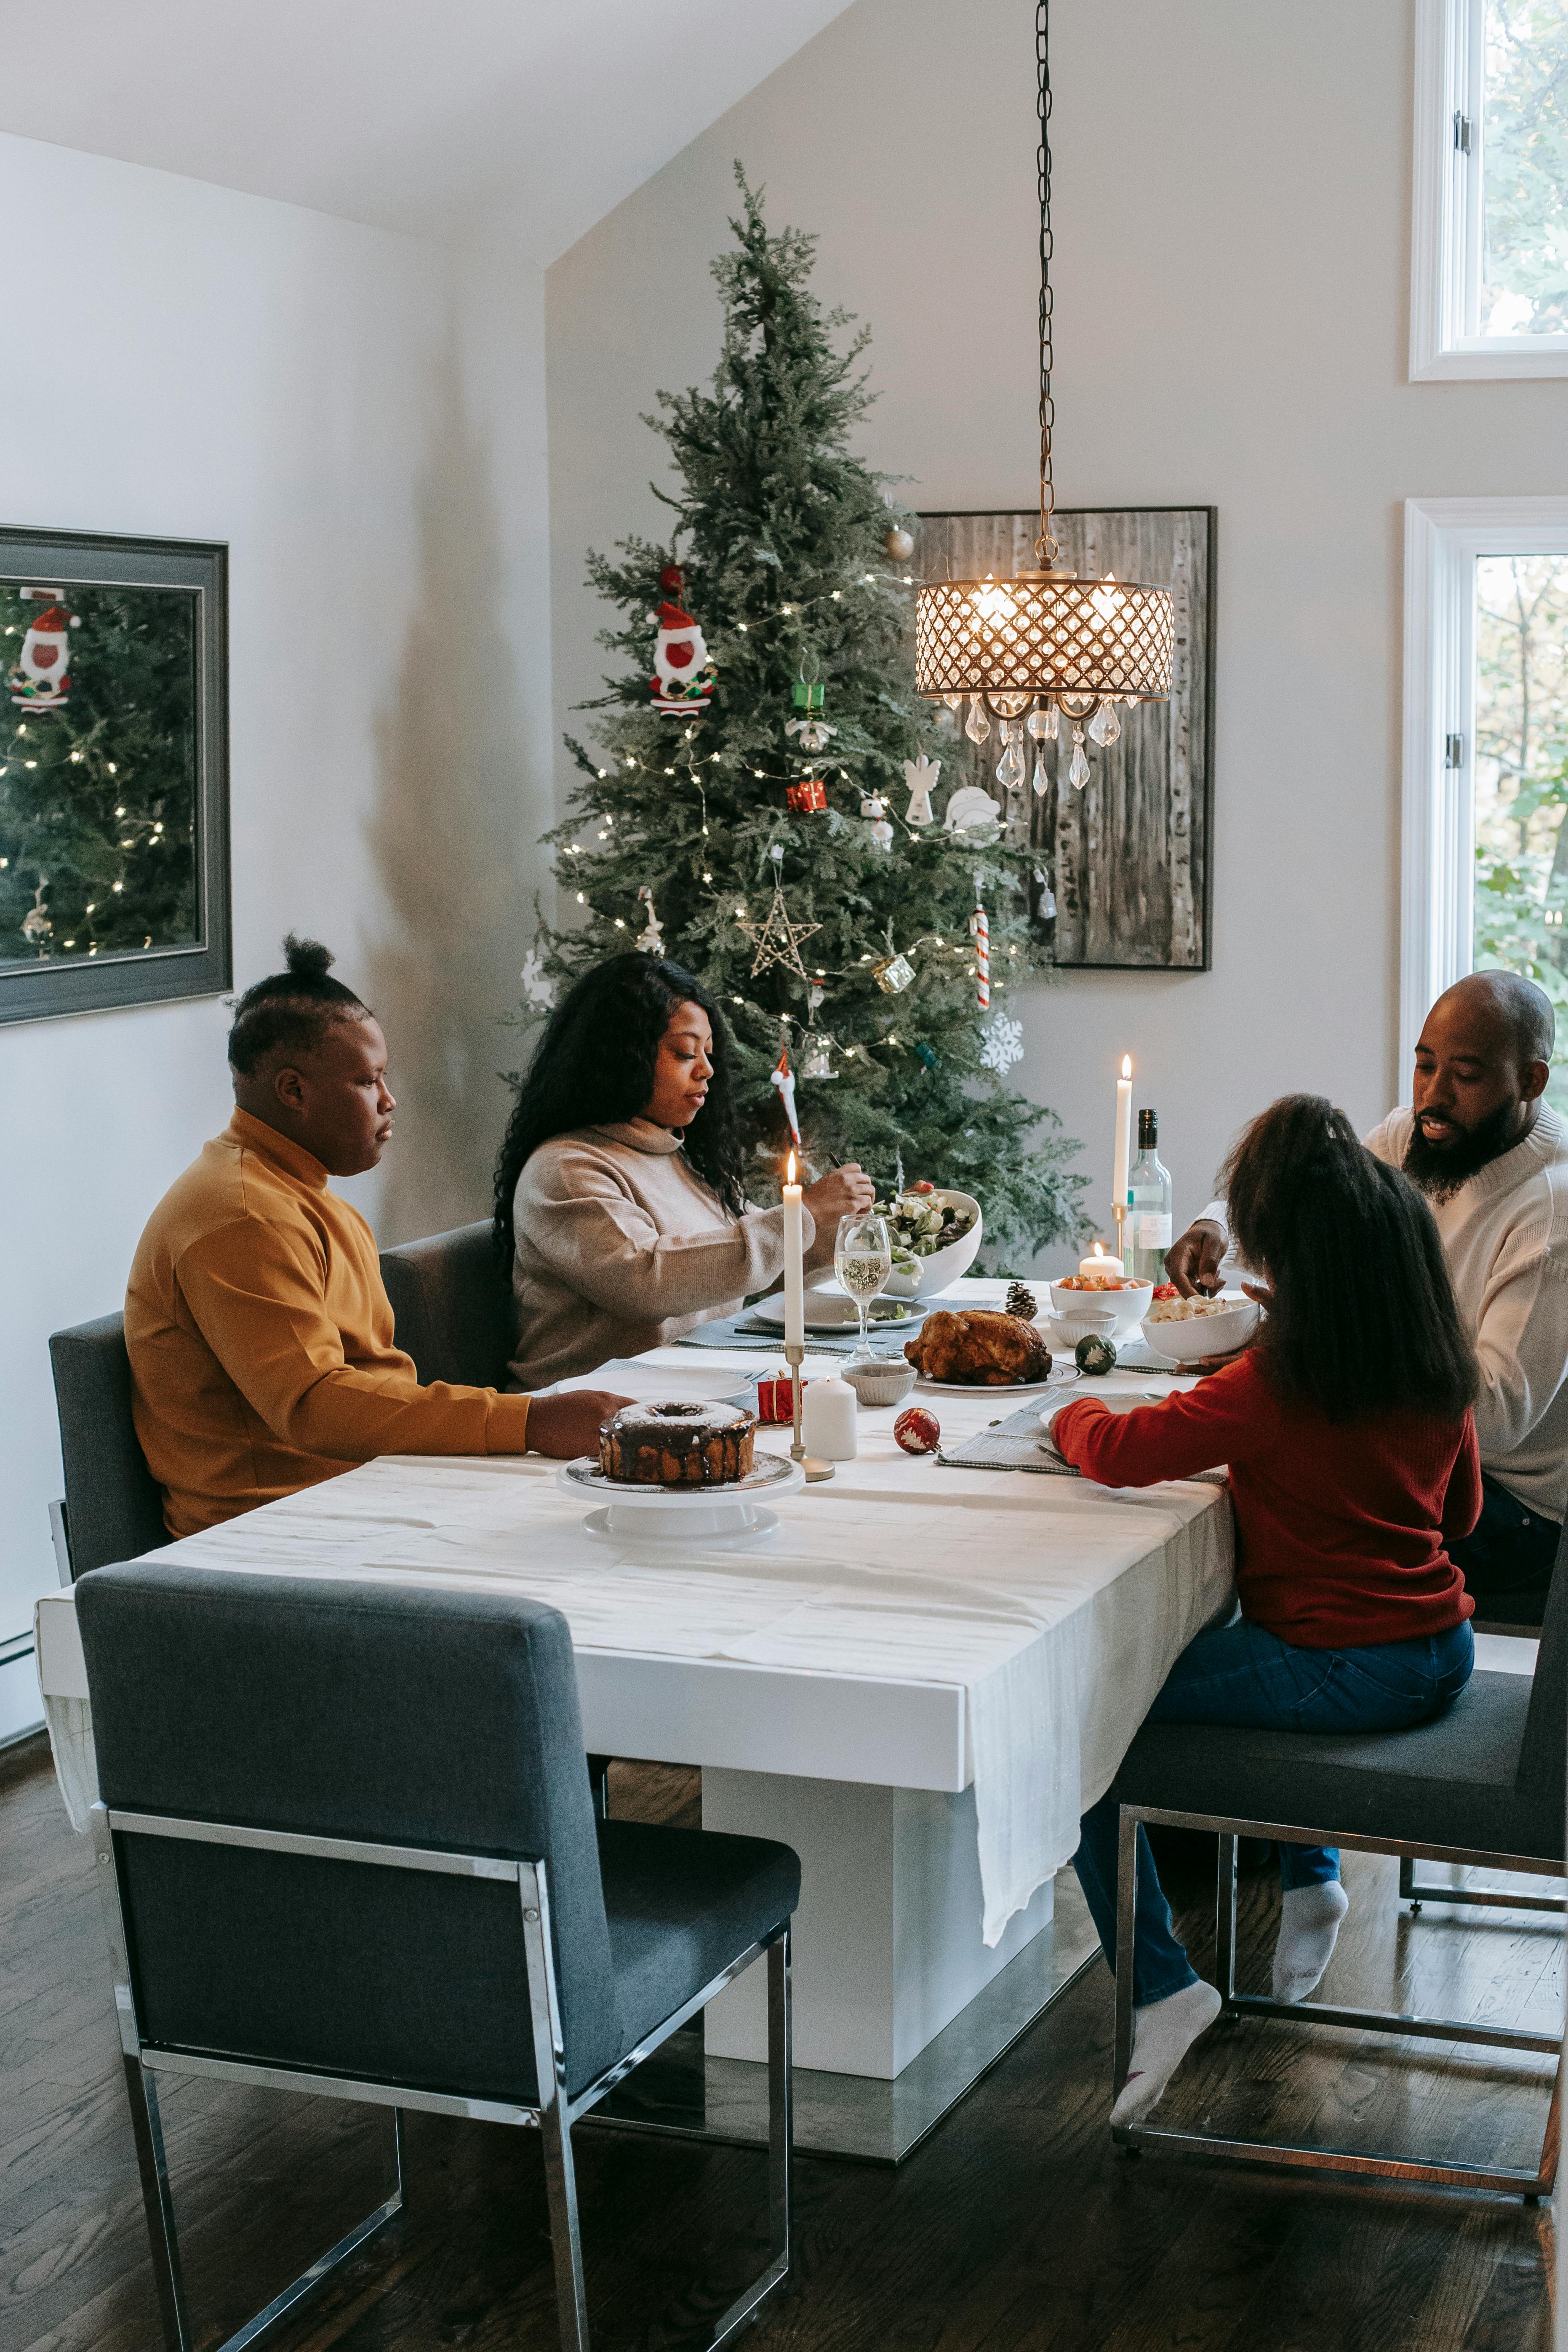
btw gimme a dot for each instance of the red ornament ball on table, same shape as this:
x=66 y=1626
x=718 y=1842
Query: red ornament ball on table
x=917 y=1429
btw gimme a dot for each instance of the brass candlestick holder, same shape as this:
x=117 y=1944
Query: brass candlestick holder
x=816 y=1470
x=1119 y=1211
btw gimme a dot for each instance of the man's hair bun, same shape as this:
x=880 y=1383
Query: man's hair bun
x=288 y=1011
x=307 y=960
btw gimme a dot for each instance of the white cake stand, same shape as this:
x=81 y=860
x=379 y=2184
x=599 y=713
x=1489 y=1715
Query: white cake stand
x=682 y=1516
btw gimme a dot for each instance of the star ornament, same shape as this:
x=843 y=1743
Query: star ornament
x=778 y=940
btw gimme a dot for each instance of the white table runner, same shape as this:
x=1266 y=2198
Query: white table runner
x=1057 y=1607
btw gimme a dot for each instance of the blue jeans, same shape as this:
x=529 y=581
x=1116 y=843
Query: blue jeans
x=1238 y=1673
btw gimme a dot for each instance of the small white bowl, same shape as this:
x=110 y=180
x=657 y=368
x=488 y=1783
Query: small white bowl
x=945 y=1265
x=881 y=1384
x=1205 y=1335
x=1128 y=1306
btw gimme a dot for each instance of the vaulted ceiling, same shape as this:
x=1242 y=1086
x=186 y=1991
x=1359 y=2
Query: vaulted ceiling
x=405 y=114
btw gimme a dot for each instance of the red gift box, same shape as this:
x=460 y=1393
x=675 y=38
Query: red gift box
x=776 y=1401
x=810 y=794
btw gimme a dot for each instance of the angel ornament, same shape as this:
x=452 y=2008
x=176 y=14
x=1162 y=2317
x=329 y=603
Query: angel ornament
x=921 y=776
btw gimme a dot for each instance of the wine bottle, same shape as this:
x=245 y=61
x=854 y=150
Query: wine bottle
x=1149 y=1210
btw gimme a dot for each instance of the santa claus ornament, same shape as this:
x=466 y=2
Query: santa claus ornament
x=41 y=677
x=684 y=677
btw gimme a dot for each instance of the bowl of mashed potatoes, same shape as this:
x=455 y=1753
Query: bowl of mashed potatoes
x=1185 y=1331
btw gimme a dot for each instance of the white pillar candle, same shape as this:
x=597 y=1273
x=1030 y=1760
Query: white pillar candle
x=1122 y=1155
x=1102 y=1262
x=827 y=1420
x=794 y=1261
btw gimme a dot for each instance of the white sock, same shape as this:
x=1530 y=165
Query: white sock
x=1309 y=1922
x=1163 y=2033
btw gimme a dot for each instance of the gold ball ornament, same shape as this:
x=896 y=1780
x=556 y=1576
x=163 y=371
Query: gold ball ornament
x=900 y=544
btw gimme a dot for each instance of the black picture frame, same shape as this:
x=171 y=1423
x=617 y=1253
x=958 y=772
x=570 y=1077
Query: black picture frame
x=48 y=988
x=1129 y=860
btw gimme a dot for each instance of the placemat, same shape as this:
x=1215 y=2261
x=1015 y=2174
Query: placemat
x=1016 y=1444
x=743 y=1331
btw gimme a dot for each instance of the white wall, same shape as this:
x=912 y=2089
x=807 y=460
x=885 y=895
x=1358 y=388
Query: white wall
x=1232 y=209
x=219 y=366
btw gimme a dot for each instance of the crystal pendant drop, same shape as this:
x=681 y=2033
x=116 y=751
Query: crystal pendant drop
x=976 y=726
x=1105 y=726
x=1078 y=766
x=1041 y=780
x=1010 y=769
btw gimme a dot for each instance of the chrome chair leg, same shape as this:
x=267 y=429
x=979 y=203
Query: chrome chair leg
x=163 y=2238
x=1126 y=1913
x=780 y=2100
x=1225 y=1919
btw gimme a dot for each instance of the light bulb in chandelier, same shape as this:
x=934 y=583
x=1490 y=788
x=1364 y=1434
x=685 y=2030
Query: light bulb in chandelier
x=1041 y=722
x=1104 y=727
x=1078 y=766
x=976 y=726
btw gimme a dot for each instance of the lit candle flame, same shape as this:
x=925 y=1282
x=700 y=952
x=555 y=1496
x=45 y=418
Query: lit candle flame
x=1100 y=1249
x=789 y=1175
x=1126 y=1065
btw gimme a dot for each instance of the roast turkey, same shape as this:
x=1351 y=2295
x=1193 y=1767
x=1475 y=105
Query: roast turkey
x=980 y=1347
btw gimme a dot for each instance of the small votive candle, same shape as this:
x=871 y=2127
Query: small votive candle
x=1101 y=1262
x=827 y=1420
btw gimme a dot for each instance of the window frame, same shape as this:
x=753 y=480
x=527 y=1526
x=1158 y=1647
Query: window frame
x=1446 y=223
x=1442 y=537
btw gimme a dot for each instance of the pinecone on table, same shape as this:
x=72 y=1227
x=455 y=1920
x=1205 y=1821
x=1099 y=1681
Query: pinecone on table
x=1021 y=1302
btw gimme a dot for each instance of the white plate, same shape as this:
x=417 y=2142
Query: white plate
x=769 y=1474
x=832 y=1310
x=984 y=1388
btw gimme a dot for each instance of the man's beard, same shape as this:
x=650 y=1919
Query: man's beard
x=1441 y=1171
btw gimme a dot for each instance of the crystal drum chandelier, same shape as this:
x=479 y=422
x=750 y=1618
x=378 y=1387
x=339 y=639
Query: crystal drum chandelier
x=1045 y=642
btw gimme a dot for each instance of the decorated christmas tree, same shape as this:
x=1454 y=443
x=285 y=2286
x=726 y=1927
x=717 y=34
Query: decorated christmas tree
x=97 y=771
x=757 y=799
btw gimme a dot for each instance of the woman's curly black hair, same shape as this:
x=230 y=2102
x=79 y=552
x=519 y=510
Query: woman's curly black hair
x=1363 y=1318
x=594 y=1066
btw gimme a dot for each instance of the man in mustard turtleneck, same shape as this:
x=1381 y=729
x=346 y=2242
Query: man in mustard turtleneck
x=260 y=1335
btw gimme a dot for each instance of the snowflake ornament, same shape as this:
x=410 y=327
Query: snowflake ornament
x=1002 y=1043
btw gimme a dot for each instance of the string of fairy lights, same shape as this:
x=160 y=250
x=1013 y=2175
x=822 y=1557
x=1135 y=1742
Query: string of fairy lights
x=140 y=832
x=691 y=762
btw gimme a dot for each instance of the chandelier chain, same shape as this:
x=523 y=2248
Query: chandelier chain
x=1046 y=544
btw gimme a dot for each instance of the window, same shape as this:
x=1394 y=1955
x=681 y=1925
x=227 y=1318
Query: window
x=1490 y=244
x=1486 y=751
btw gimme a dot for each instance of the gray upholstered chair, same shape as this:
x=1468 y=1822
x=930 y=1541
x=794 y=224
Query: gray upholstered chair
x=453 y=1306
x=113 y=1507
x=347 y=1849
x=1482 y=1785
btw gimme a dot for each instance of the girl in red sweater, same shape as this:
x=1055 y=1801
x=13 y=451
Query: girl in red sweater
x=1353 y=1459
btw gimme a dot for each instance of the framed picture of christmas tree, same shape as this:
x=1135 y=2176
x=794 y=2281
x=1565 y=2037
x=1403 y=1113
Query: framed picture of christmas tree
x=114 y=877
x=1123 y=868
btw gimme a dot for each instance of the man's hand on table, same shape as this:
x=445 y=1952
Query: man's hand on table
x=1192 y=1261
x=566 y=1426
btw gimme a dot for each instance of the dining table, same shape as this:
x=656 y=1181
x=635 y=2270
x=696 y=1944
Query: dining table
x=919 y=1679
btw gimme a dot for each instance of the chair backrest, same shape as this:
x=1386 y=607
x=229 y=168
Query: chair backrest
x=1541 y=1776
x=412 y=1717
x=114 y=1505
x=453 y=1306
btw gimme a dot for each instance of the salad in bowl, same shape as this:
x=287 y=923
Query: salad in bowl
x=935 y=1235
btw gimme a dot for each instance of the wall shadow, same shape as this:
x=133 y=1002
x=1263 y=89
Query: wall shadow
x=446 y=836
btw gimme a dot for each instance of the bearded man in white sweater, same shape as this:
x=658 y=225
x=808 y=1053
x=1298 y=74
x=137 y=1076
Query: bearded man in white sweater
x=1492 y=1160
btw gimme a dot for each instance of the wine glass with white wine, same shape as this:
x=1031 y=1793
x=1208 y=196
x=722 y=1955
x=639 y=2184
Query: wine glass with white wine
x=863 y=1260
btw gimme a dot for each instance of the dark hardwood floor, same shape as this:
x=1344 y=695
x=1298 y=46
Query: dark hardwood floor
x=1016 y=2226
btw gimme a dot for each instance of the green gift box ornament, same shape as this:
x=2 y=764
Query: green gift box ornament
x=808 y=695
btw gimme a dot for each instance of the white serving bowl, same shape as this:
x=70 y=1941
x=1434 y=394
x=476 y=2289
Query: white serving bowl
x=1129 y=1306
x=945 y=1265
x=1205 y=1335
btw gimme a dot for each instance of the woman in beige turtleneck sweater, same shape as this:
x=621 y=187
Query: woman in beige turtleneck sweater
x=618 y=1193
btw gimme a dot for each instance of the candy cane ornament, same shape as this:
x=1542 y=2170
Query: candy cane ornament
x=979 y=932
